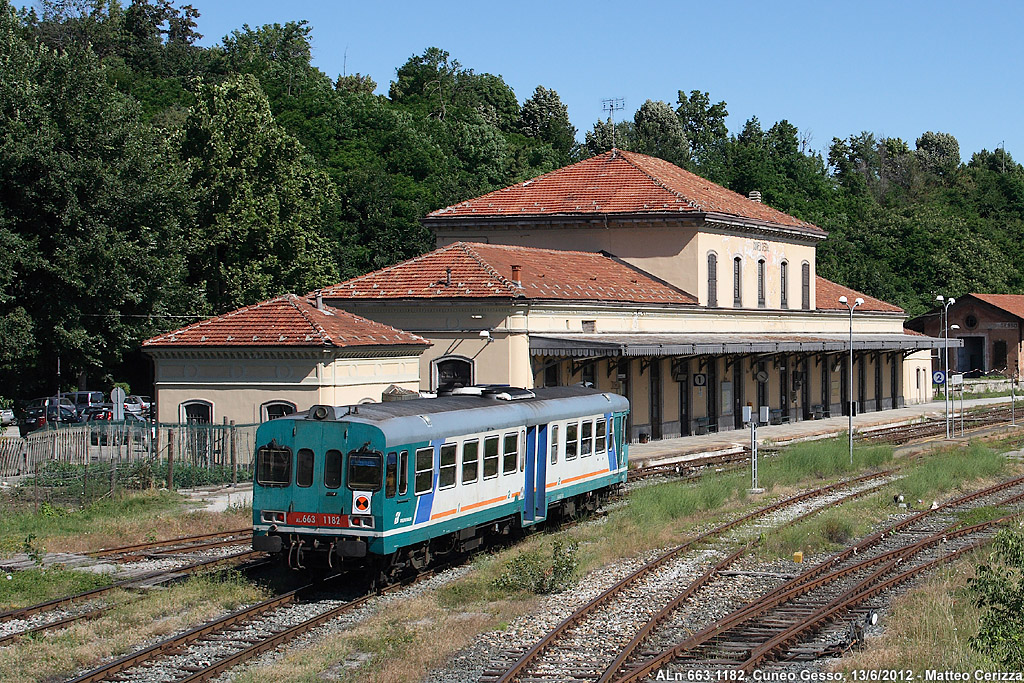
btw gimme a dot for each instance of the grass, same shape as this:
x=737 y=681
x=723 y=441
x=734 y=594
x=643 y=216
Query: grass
x=133 y=622
x=120 y=520
x=30 y=587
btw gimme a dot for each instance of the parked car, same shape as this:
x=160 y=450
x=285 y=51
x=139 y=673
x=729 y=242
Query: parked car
x=37 y=417
x=52 y=401
x=7 y=417
x=138 y=405
x=95 y=408
x=102 y=426
x=84 y=399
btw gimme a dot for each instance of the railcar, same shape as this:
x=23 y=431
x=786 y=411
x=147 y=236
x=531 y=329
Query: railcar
x=392 y=486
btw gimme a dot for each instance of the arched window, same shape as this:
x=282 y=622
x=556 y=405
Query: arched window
x=196 y=411
x=712 y=280
x=737 y=282
x=760 y=283
x=784 y=284
x=271 y=410
x=451 y=372
x=805 y=286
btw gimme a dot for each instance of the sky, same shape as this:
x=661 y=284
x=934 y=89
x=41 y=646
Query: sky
x=833 y=69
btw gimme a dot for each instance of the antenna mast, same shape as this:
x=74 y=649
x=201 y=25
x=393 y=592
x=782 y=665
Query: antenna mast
x=612 y=105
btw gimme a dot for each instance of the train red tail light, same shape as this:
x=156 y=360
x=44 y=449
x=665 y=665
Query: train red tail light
x=360 y=521
x=272 y=516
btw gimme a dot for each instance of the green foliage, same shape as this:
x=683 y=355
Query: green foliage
x=30 y=587
x=530 y=571
x=998 y=590
x=943 y=471
x=822 y=459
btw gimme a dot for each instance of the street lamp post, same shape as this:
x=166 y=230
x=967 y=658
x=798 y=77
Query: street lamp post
x=849 y=406
x=944 y=319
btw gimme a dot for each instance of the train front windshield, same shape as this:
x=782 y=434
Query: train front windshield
x=365 y=470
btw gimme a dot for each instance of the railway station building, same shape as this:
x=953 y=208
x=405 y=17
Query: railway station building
x=631 y=274
x=987 y=337
x=275 y=358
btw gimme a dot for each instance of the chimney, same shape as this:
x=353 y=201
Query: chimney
x=754 y=196
x=319 y=300
x=517 y=275
x=448 y=276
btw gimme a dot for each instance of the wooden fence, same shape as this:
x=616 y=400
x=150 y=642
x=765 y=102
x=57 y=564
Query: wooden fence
x=201 y=446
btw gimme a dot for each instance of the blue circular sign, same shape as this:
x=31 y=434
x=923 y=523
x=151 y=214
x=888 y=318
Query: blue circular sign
x=938 y=377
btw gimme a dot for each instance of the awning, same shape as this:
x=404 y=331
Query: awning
x=595 y=345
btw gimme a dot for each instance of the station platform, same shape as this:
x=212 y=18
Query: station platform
x=679 y=449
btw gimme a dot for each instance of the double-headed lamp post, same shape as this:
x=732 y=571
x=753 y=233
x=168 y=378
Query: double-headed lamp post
x=849 y=407
x=944 y=319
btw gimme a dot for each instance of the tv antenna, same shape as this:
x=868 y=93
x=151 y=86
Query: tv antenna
x=612 y=105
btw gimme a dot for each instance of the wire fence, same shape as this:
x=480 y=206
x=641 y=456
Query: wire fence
x=84 y=462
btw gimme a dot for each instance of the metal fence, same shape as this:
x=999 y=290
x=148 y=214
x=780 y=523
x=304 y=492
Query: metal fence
x=163 y=447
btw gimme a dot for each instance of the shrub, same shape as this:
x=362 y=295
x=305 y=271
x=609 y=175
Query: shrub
x=530 y=571
x=999 y=591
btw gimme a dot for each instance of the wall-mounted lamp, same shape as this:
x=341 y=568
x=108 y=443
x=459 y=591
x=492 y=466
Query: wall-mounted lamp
x=486 y=334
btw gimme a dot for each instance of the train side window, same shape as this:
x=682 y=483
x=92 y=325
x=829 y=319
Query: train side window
x=554 y=444
x=273 y=465
x=424 y=470
x=490 y=457
x=587 y=438
x=332 y=469
x=602 y=439
x=446 y=477
x=403 y=473
x=304 y=468
x=571 y=440
x=522 y=450
x=391 y=475
x=470 y=461
x=511 y=453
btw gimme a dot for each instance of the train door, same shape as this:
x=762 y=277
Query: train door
x=307 y=492
x=535 y=504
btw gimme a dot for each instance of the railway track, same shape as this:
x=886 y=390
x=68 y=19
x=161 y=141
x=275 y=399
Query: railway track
x=563 y=653
x=183 y=544
x=833 y=596
x=67 y=610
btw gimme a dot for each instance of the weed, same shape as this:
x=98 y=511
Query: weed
x=529 y=571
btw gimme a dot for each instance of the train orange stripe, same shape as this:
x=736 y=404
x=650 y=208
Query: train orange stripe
x=585 y=476
x=443 y=514
x=482 y=503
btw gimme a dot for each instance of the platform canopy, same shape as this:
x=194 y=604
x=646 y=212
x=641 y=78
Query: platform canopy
x=596 y=345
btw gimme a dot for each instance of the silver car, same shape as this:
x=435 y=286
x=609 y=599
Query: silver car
x=7 y=417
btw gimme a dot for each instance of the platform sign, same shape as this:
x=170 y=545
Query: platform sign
x=700 y=380
x=938 y=377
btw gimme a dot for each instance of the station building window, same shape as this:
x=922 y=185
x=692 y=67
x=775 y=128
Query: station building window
x=271 y=410
x=712 y=280
x=760 y=284
x=805 y=286
x=452 y=371
x=737 y=282
x=784 y=284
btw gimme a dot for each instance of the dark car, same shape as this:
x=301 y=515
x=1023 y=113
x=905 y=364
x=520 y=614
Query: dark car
x=102 y=426
x=37 y=417
x=84 y=399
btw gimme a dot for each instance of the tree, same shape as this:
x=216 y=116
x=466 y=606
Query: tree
x=356 y=83
x=88 y=219
x=262 y=223
x=704 y=127
x=998 y=589
x=938 y=154
x=545 y=118
x=600 y=139
x=658 y=132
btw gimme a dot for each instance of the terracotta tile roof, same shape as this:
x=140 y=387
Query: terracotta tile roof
x=623 y=182
x=913 y=333
x=1011 y=303
x=287 y=320
x=484 y=271
x=827 y=298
